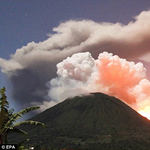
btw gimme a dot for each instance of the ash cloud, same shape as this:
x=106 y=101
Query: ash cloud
x=34 y=65
x=82 y=74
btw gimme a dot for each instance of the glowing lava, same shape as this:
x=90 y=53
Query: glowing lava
x=145 y=112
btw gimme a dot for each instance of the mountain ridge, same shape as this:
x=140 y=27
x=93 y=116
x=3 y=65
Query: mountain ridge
x=96 y=118
x=95 y=102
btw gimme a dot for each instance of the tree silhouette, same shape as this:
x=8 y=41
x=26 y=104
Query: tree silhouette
x=8 y=118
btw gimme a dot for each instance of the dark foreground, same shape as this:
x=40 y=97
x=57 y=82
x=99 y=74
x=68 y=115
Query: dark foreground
x=97 y=122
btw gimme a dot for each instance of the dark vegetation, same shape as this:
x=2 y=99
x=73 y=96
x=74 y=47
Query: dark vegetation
x=90 y=122
x=8 y=119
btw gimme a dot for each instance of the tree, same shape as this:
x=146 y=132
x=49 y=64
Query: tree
x=8 y=118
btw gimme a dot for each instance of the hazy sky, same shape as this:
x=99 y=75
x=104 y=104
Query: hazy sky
x=25 y=21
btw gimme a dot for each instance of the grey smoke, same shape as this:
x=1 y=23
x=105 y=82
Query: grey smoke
x=34 y=65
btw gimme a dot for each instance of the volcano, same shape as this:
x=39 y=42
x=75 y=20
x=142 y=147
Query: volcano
x=95 y=121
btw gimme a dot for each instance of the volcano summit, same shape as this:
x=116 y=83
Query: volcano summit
x=95 y=121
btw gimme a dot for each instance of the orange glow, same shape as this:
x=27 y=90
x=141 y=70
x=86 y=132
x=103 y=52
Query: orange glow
x=119 y=75
x=126 y=81
x=108 y=74
x=145 y=112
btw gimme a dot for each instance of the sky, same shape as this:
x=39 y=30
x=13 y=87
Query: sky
x=53 y=30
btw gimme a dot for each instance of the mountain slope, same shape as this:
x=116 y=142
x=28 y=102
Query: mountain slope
x=96 y=118
x=94 y=111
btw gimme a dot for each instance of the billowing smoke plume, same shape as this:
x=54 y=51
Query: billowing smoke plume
x=34 y=65
x=81 y=74
x=75 y=74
